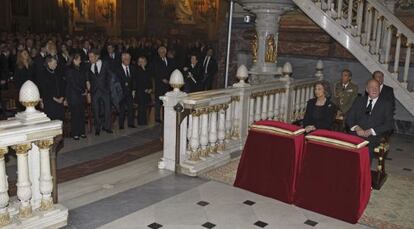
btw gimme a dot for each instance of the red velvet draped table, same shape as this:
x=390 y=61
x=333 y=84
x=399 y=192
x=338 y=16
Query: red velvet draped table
x=334 y=178
x=270 y=159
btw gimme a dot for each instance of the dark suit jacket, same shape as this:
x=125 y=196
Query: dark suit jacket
x=4 y=67
x=128 y=84
x=324 y=121
x=161 y=71
x=197 y=74
x=113 y=62
x=100 y=83
x=143 y=82
x=75 y=85
x=212 y=67
x=381 y=118
x=387 y=93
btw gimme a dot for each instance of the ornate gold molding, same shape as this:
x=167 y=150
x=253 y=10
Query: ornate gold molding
x=23 y=148
x=3 y=151
x=46 y=204
x=29 y=103
x=25 y=212
x=44 y=144
x=4 y=219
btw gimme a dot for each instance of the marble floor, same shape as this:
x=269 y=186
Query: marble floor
x=138 y=195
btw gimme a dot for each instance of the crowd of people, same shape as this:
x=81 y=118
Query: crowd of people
x=112 y=74
x=369 y=116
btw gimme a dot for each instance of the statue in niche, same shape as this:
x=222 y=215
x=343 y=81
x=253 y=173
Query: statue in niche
x=184 y=12
x=82 y=6
x=271 y=49
x=254 y=48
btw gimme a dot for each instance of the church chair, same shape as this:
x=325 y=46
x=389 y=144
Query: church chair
x=379 y=176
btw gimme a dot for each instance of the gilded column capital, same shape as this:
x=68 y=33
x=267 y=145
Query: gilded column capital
x=3 y=151
x=44 y=144
x=23 y=148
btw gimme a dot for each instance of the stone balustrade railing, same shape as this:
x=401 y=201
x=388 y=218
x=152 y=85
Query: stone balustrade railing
x=30 y=134
x=215 y=123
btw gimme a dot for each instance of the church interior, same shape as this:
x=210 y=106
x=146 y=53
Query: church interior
x=207 y=114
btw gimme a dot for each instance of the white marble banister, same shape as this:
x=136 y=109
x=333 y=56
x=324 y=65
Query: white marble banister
x=24 y=133
x=219 y=119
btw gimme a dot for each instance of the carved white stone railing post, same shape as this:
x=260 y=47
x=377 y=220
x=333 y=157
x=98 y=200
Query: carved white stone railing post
x=34 y=182
x=278 y=108
x=271 y=111
x=4 y=196
x=235 y=133
x=195 y=141
x=46 y=179
x=204 y=135
x=264 y=107
x=24 y=192
x=258 y=113
x=170 y=100
x=229 y=123
x=221 y=127
x=213 y=130
x=319 y=70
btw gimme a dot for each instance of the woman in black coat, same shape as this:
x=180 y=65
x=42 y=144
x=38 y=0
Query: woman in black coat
x=52 y=90
x=143 y=92
x=320 y=111
x=24 y=69
x=75 y=97
x=193 y=73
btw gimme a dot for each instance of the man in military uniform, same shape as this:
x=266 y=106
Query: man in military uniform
x=345 y=93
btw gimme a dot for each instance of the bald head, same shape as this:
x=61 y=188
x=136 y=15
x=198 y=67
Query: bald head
x=379 y=76
x=373 y=88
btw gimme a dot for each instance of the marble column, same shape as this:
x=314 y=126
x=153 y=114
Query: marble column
x=4 y=196
x=24 y=192
x=46 y=179
x=268 y=14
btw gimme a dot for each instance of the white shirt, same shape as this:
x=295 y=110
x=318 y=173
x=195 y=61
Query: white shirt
x=381 y=86
x=165 y=61
x=345 y=85
x=99 y=64
x=374 y=101
x=125 y=69
x=206 y=61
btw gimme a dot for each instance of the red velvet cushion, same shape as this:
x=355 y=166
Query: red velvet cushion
x=355 y=140
x=277 y=124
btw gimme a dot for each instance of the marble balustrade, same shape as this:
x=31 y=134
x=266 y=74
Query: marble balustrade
x=218 y=120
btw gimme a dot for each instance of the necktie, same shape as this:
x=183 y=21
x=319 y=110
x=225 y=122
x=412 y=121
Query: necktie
x=206 y=64
x=343 y=87
x=127 y=71
x=369 y=108
x=96 y=71
x=165 y=61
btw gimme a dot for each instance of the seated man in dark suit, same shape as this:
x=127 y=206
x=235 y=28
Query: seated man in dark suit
x=386 y=92
x=371 y=116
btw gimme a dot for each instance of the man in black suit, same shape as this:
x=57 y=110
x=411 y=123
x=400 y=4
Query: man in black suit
x=386 y=92
x=210 y=69
x=371 y=116
x=193 y=73
x=112 y=57
x=99 y=76
x=127 y=74
x=86 y=47
x=162 y=68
